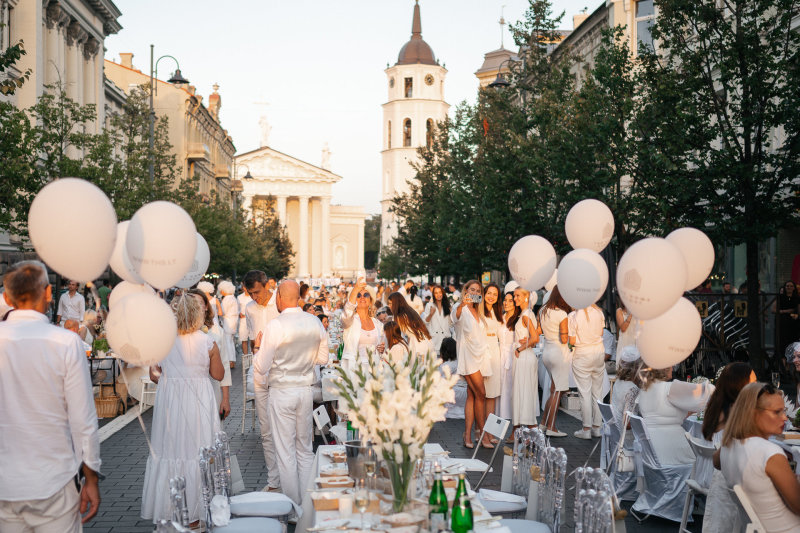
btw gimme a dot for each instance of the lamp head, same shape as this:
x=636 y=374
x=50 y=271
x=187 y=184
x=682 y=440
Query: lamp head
x=177 y=78
x=499 y=82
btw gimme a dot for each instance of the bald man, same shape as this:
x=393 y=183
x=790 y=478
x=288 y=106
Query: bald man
x=289 y=348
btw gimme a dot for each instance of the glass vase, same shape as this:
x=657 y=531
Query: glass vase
x=401 y=475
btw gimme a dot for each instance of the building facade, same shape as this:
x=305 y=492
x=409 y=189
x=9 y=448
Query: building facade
x=202 y=146
x=328 y=240
x=415 y=105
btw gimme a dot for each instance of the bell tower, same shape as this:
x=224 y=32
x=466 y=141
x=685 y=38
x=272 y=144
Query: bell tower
x=415 y=105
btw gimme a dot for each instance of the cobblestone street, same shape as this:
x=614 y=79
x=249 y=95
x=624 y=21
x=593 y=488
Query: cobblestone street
x=125 y=453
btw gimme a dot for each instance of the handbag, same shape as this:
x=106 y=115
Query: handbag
x=624 y=457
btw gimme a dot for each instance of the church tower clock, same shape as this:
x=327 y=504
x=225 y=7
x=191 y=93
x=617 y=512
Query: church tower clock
x=416 y=104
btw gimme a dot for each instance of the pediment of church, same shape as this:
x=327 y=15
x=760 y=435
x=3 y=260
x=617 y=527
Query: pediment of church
x=266 y=164
x=340 y=238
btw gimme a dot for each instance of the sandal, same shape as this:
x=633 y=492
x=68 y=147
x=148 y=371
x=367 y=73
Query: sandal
x=470 y=445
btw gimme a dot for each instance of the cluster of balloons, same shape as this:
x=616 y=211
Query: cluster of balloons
x=74 y=229
x=652 y=276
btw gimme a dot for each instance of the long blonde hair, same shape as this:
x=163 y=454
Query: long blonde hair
x=741 y=422
x=188 y=313
x=478 y=307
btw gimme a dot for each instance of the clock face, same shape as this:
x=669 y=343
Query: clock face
x=391 y=83
x=429 y=79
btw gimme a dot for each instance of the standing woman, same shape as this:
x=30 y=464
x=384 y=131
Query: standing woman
x=230 y=322
x=415 y=301
x=525 y=405
x=411 y=325
x=788 y=309
x=208 y=290
x=362 y=332
x=627 y=326
x=556 y=355
x=437 y=317
x=506 y=336
x=473 y=362
x=184 y=416
x=493 y=313
x=221 y=387
x=586 y=334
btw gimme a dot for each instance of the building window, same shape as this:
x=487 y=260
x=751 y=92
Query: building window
x=409 y=87
x=389 y=135
x=407 y=132
x=429 y=133
x=645 y=18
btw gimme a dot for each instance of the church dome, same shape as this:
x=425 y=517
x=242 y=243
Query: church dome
x=416 y=50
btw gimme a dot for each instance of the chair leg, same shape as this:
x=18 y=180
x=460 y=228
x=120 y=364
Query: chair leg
x=686 y=510
x=488 y=467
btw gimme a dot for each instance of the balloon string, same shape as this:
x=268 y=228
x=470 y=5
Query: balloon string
x=139 y=416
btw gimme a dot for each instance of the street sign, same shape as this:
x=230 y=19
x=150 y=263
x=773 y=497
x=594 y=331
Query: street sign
x=702 y=307
x=486 y=277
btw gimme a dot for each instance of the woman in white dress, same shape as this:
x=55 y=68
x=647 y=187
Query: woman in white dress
x=493 y=313
x=361 y=331
x=412 y=326
x=473 y=362
x=761 y=467
x=221 y=387
x=627 y=326
x=525 y=404
x=556 y=356
x=664 y=405
x=396 y=346
x=185 y=416
x=230 y=322
x=506 y=336
x=414 y=301
x=588 y=365
x=437 y=317
x=721 y=510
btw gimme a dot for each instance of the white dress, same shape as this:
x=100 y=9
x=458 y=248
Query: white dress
x=722 y=509
x=230 y=326
x=664 y=406
x=525 y=404
x=185 y=418
x=556 y=357
x=416 y=304
x=504 y=406
x=627 y=337
x=217 y=335
x=471 y=344
x=493 y=383
x=438 y=327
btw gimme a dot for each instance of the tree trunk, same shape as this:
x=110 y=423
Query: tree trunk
x=754 y=322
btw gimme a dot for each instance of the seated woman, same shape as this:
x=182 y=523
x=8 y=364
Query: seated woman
x=626 y=390
x=397 y=347
x=747 y=458
x=449 y=354
x=664 y=405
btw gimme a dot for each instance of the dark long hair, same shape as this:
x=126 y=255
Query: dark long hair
x=732 y=380
x=393 y=334
x=512 y=320
x=408 y=319
x=498 y=305
x=412 y=292
x=445 y=299
x=556 y=301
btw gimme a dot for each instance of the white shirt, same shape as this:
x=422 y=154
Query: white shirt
x=71 y=307
x=48 y=423
x=586 y=325
x=258 y=316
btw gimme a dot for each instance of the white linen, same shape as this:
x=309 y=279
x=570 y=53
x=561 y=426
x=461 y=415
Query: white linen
x=290 y=412
x=351 y=335
x=494 y=382
x=438 y=327
x=258 y=316
x=56 y=514
x=504 y=406
x=48 y=423
x=71 y=307
x=243 y=300
x=627 y=337
x=525 y=393
x=557 y=357
x=586 y=325
x=471 y=344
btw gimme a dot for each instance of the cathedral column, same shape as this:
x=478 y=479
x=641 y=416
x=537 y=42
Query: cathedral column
x=302 y=253
x=281 y=205
x=326 y=236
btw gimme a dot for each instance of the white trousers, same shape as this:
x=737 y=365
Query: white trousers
x=56 y=514
x=262 y=397
x=290 y=412
x=588 y=368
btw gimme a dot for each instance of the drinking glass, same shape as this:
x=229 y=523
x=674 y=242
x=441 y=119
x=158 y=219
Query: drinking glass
x=776 y=379
x=370 y=463
x=361 y=500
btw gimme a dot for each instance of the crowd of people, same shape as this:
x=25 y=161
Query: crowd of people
x=516 y=355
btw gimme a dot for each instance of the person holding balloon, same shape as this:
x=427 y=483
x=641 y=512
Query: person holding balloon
x=586 y=334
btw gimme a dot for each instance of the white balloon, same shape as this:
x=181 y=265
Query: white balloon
x=73 y=226
x=589 y=224
x=126 y=288
x=533 y=297
x=651 y=276
x=582 y=278
x=161 y=243
x=531 y=262
x=202 y=256
x=668 y=339
x=141 y=329
x=698 y=252
x=511 y=286
x=551 y=282
x=119 y=262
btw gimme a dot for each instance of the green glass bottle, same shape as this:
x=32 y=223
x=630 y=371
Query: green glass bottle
x=437 y=503
x=461 y=488
x=461 y=517
x=340 y=351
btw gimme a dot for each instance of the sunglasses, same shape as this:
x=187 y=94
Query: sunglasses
x=363 y=295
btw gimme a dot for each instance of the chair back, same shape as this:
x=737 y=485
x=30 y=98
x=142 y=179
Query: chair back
x=594 y=512
x=755 y=524
x=551 y=492
x=529 y=447
x=247 y=362
x=642 y=437
x=610 y=437
x=177 y=498
x=321 y=417
x=496 y=426
x=703 y=468
x=606 y=412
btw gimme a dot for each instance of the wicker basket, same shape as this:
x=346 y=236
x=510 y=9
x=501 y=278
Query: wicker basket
x=107 y=407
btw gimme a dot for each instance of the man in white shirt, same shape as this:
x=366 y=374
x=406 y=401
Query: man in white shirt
x=258 y=314
x=44 y=449
x=288 y=350
x=244 y=339
x=71 y=305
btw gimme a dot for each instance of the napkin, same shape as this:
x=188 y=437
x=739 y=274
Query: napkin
x=497 y=496
x=220 y=510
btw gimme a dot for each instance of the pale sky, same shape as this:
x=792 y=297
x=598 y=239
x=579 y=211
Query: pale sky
x=318 y=63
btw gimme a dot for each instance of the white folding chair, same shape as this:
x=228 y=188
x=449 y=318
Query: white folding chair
x=322 y=419
x=699 y=481
x=755 y=525
x=664 y=486
x=607 y=444
x=247 y=397
x=623 y=483
x=496 y=427
x=149 y=390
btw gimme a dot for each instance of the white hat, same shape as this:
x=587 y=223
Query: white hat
x=630 y=354
x=206 y=287
x=511 y=286
x=226 y=287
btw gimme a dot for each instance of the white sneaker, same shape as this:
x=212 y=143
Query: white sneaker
x=596 y=432
x=551 y=433
x=583 y=434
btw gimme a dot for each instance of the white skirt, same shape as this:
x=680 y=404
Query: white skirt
x=525 y=405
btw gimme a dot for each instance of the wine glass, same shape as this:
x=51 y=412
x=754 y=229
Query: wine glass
x=370 y=465
x=361 y=500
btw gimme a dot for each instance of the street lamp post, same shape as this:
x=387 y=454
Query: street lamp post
x=500 y=82
x=176 y=78
x=236 y=189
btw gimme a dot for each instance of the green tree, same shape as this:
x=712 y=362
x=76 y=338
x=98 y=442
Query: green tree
x=9 y=83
